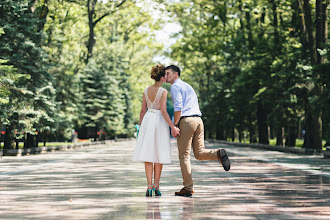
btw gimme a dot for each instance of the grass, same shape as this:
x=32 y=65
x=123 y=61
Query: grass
x=41 y=144
x=299 y=142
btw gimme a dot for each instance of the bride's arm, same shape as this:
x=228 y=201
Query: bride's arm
x=163 y=108
x=143 y=109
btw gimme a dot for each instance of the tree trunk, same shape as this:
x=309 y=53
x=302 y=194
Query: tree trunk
x=42 y=14
x=324 y=16
x=9 y=137
x=248 y=27
x=232 y=133
x=252 y=129
x=262 y=123
x=17 y=144
x=299 y=25
x=279 y=136
x=317 y=131
x=30 y=141
x=313 y=137
x=262 y=29
x=91 y=25
x=277 y=43
x=37 y=140
x=92 y=22
x=278 y=122
x=326 y=117
x=240 y=135
x=45 y=138
x=220 y=133
x=242 y=20
x=321 y=40
x=292 y=135
x=309 y=29
x=321 y=28
x=9 y=141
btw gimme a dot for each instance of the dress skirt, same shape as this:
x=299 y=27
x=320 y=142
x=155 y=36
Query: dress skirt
x=153 y=142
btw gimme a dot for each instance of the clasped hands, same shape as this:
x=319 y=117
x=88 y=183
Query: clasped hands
x=175 y=131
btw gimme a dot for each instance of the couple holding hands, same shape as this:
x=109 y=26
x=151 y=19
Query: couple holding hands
x=153 y=141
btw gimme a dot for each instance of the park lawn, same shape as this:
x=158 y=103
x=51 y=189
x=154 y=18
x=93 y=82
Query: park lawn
x=299 y=142
x=41 y=144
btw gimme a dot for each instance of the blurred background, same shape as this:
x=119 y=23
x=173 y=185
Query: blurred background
x=76 y=69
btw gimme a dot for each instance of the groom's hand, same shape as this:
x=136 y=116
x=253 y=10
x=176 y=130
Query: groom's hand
x=178 y=132
x=175 y=132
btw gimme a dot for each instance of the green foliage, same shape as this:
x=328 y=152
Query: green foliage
x=102 y=99
x=250 y=71
x=29 y=86
x=99 y=97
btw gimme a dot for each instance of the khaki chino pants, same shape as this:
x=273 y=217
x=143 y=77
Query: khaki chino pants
x=192 y=134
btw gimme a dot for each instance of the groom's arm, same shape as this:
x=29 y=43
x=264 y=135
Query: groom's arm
x=177 y=116
x=177 y=103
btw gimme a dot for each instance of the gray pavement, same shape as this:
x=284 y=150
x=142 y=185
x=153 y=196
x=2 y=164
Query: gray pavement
x=101 y=182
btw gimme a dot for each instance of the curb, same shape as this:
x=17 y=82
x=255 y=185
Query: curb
x=276 y=148
x=42 y=150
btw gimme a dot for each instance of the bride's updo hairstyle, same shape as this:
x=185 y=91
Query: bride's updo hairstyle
x=157 y=72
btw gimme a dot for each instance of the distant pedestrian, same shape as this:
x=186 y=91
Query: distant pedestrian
x=187 y=117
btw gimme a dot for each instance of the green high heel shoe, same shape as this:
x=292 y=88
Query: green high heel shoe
x=149 y=191
x=156 y=189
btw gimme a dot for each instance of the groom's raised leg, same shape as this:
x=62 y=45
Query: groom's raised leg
x=200 y=152
x=199 y=148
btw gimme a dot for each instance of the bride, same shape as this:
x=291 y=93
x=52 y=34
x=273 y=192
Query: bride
x=153 y=141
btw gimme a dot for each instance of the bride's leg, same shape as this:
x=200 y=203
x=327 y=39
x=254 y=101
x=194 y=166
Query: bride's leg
x=158 y=171
x=149 y=172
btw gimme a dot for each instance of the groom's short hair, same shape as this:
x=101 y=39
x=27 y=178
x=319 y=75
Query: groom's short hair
x=174 y=69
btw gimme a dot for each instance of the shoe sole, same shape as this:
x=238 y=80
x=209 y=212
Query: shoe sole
x=184 y=195
x=225 y=160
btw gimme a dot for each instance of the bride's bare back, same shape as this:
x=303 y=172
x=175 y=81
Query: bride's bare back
x=153 y=96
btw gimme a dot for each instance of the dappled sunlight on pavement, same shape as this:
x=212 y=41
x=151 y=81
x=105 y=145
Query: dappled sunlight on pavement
x=102 y=182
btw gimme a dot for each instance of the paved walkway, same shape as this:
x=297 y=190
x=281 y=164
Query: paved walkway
x=102 y=183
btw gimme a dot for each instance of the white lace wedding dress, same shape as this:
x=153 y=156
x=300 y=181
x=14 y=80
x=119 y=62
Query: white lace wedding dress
x=153 y=142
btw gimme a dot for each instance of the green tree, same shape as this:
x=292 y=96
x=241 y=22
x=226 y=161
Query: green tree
x=21 y=47
x=247 y=60
x=65 y=33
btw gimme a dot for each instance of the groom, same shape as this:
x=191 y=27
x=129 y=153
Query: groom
x=187 y=116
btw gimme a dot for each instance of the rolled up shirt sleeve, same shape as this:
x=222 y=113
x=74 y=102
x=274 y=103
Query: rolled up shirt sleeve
x=177 y=98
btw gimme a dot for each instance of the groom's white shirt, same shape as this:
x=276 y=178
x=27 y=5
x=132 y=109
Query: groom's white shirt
x=184 y=99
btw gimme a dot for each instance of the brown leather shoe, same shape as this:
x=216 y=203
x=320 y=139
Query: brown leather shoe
x=184 y=192
x=224 y=160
